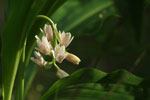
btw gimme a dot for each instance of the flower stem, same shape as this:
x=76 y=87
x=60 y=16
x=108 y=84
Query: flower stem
x=56 y=66
x=56 y=36
x=54 y=63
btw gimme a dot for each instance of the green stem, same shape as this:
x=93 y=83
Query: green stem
x=47 y=18
x=55 y=36
x=56 y=66
x=54 y=63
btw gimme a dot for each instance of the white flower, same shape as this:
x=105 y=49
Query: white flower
x=49 y=32
x=43 y=45
x=39 y=60
x=65 y=38
x=60 y=54
x=73 y=58
x=61 y=74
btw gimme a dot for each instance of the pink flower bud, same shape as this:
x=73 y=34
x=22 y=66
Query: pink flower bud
x=49 y=32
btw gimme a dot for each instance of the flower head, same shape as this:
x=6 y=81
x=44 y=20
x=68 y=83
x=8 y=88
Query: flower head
x=60 y=54
x=65 y=38
x=61 y=74
x=39 y=60
x=53 y=44
x=49 y=32
x=43 y=45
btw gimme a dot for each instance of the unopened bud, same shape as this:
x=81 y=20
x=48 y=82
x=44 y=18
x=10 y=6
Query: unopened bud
x=73 y=58
x=61 y=74
x=49 y=32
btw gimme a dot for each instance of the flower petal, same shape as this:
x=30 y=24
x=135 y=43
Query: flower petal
x=60 y=54
x=65 y=38
x=43 y=46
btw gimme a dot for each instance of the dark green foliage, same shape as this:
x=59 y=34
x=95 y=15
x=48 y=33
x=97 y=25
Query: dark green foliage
x=83 y=19
x=92 y=84
x=132 y=13
x=76 y=78
x=122 y=75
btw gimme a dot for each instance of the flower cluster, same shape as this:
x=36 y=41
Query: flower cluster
x=54 y=44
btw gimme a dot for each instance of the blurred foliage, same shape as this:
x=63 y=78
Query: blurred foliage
x=79 y=18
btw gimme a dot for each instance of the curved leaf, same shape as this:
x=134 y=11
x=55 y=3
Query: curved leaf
x=123 y=76
x=91 y=84
x=82 y=76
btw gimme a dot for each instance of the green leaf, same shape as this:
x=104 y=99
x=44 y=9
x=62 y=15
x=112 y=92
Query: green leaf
x=122 y=75
x=13 y=39
x=90 y=94
x=76 y=15
x=92 y=84
x=82 y=76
